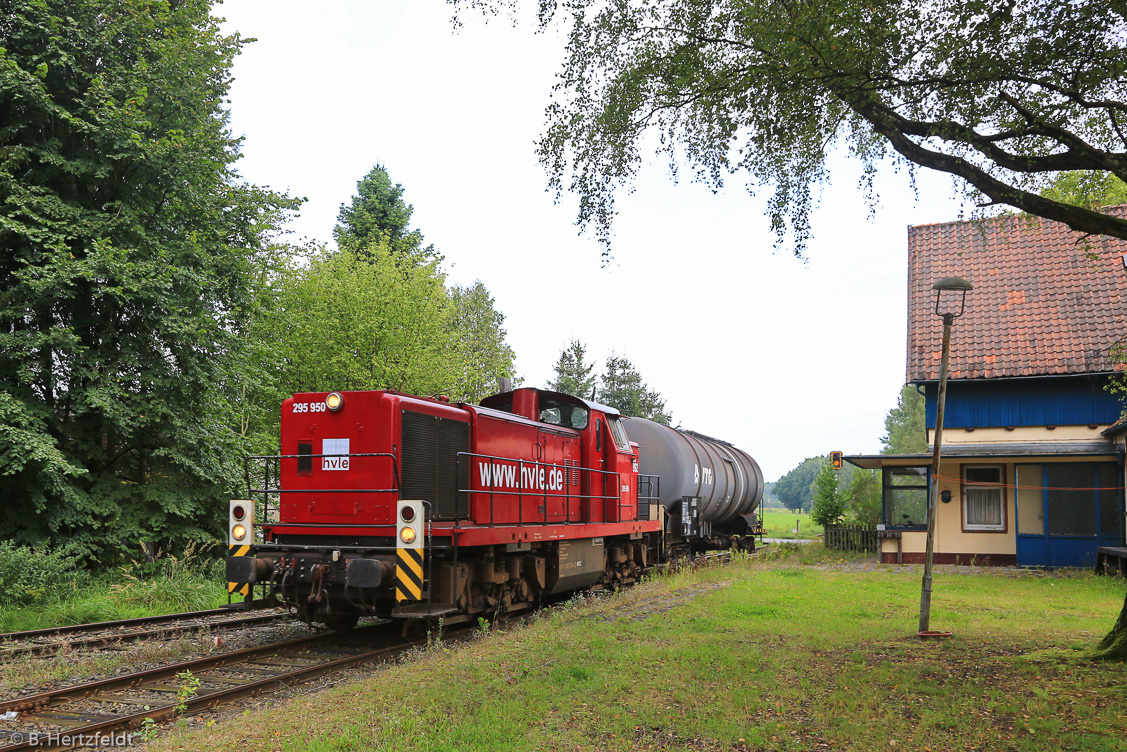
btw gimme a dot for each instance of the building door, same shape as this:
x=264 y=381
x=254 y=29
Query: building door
x=1065 y=511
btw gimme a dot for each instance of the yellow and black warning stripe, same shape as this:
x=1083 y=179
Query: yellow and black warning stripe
x=238 y=588
x=409 y=574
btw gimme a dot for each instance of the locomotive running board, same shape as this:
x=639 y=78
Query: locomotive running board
x=423 y=611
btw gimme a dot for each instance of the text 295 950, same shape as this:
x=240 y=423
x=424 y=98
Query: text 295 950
x=310 y=407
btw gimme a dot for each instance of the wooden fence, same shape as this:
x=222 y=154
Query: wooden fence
x=851 y=538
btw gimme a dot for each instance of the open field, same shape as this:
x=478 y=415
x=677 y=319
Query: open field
x=767 y=654
x=781 y=523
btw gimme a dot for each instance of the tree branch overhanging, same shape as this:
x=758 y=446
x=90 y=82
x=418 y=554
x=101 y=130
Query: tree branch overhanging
x=1001 y=95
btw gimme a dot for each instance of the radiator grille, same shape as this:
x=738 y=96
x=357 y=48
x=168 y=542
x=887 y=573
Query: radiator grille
x=429 y=461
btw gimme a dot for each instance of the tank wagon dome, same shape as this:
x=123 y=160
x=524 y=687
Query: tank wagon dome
x=726 y=479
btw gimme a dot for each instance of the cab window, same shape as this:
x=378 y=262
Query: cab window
x=564 y=414
x=619 y=434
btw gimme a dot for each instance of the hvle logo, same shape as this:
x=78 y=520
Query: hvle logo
x=334 y=447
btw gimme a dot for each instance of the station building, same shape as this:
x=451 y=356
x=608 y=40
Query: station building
x=1032 y=468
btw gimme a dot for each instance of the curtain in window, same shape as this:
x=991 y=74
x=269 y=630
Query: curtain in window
x=984 y=506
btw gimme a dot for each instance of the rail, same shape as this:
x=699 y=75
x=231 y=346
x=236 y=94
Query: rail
x=126 y=630
x=91 y=710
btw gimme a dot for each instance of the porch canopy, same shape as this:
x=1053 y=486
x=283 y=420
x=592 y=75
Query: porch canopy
x=1087 y=450
x=1033 y=503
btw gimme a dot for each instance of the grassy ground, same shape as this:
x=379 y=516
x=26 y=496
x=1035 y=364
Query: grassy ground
x=770 y=654
x=117 y=596
x=782 y=523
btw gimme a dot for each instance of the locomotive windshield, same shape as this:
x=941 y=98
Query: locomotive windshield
x=619 y=434
x=558 y=413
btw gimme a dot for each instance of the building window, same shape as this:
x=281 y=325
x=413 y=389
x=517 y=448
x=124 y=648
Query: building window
x=984 y=497
x=905 y=496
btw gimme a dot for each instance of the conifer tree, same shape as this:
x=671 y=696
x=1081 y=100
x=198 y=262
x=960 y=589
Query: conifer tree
x=376 y=212
x=574 y=375
x=621 y=386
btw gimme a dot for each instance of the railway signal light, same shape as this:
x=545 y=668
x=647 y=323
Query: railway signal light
x=837 y=460
x=240 y=523
x=240 y=536
x=409 y=551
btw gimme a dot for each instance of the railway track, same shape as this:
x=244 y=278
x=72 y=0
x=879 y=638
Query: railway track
x=100 y=713
x=98 y=634
x=92 y=713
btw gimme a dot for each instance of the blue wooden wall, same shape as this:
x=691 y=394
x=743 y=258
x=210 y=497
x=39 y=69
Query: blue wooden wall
x=1055 y=401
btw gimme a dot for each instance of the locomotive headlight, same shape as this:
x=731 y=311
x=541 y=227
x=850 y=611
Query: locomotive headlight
x=407 y=535
x=239 y=532
x=334 y=401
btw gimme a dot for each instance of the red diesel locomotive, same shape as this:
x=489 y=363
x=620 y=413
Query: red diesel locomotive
x=396 y=506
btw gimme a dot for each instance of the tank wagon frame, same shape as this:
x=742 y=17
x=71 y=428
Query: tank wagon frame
x=397 y=506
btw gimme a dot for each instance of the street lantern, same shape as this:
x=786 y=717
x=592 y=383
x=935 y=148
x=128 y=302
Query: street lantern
x=946 y=290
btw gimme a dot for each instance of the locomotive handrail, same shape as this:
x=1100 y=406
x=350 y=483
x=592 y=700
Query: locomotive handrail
x=653 y=490
x=518 y=491
x=324 y=490
x=279 y=457
x=274 y=461
x=384 y=525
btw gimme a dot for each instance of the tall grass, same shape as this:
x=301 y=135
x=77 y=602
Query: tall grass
x=40 y=589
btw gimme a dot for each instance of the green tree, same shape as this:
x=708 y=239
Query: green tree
x=1087 y=189
x=794 y=489
x=863 y=497
x=356 y=320
x=829 y=503
x=621 y=386
x=1000 y=94
x=1092 y=190
x=379 y=211
x=126 y=278
x=907 y=431
x=479 y=341
x=574 y=375
x=260 y=387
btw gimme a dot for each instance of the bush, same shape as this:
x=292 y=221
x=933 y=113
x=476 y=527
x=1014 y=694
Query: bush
x=30 y=575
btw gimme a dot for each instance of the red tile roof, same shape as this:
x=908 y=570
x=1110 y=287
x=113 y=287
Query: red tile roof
x=1046 y=299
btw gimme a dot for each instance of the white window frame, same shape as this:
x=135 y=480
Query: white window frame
x=1000 y=487
x=619 y=434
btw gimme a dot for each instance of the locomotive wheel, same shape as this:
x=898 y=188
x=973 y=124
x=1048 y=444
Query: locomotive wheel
x=342 y=622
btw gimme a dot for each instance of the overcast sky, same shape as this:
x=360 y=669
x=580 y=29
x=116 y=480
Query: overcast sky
x=785 y=359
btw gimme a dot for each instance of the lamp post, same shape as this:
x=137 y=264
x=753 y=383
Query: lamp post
x=947 y=284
